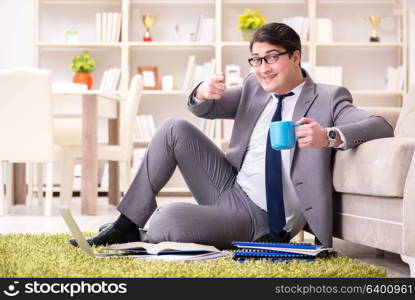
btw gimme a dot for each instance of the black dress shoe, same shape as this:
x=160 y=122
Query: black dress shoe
x=103 y=226
x=110 y=235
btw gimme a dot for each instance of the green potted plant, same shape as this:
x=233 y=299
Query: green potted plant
x=250 y=21
x=83 y=64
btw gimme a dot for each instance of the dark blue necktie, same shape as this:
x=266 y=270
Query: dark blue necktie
x=273 y=180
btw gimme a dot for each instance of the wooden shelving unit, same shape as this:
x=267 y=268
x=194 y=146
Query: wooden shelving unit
x=364 y=69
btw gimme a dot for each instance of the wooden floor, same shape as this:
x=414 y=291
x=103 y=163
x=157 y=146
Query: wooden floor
x=25 y=220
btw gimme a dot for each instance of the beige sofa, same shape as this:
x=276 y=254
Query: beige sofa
x=374 y=202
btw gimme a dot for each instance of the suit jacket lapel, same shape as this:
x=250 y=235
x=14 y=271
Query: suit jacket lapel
x=305 y=100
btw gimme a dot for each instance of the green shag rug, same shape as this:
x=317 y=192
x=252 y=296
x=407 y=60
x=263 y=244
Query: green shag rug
x=46 y=255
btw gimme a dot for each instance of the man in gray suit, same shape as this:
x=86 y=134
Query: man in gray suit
x=235 y=191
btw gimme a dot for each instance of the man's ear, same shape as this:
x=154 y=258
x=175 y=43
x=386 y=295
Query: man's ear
x=296 y=56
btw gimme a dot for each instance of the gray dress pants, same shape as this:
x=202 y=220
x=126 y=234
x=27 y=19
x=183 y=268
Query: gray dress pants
x=224 y=213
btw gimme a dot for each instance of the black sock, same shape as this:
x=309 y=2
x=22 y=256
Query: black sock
x=124 y=224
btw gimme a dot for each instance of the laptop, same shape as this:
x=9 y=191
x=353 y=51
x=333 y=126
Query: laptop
x=79 y=236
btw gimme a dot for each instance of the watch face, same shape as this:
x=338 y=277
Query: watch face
x=332 y=134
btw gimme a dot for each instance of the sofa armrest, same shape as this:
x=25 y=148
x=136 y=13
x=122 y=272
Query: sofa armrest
x=376 y=168
x=390 y=114
x=409 y=212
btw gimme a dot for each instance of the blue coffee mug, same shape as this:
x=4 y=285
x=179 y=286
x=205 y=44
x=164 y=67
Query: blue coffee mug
x=282 y=135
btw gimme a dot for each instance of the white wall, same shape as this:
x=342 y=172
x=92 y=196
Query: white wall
x=16 y=33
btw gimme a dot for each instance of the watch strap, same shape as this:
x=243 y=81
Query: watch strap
x=331 y=140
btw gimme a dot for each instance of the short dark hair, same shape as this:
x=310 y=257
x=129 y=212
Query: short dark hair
x=278 y=34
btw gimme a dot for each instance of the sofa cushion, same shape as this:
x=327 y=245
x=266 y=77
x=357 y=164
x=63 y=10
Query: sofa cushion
x=377 y=168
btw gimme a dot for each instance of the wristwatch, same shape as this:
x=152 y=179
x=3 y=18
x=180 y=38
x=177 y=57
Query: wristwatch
x=331 y=136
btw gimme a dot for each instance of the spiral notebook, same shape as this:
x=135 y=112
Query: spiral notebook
x=293 y=248
x=274 y=256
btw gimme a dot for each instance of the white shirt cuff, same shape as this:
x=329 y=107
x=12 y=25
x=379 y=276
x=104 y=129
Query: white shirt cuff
x=197 y=101
x=343 y=139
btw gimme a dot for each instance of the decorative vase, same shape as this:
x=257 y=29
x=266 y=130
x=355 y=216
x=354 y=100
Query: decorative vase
x=83 y=77
x=247 y=34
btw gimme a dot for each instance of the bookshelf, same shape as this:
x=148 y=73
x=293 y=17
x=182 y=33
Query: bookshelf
x=364 y=63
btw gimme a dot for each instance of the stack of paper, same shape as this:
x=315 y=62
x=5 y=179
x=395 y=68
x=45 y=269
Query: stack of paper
x=279 y=252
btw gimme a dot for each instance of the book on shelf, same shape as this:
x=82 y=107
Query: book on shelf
x=299 y=24
x=208 y=127
x=190 y=73
x=394 y=78
x=329 y=75
x=324 y=30
x=108 y=27
x=205 y=29
x=197 y=29
x=145 y=127
x=98 y=26
x=204 y=71
x=110 y=80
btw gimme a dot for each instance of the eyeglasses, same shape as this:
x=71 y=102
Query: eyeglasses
x=269 y=59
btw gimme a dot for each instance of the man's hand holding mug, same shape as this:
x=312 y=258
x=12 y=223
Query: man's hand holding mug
x=307 y=132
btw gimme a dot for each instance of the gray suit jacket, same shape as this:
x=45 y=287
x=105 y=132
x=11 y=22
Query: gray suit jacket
x=311 y=168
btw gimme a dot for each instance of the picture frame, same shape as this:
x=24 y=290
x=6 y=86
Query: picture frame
x=150 y=76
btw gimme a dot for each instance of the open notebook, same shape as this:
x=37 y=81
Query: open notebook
x=166 y=251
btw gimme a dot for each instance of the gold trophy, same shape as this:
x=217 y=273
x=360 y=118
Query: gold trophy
x=374 y=23
x=148 y=20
